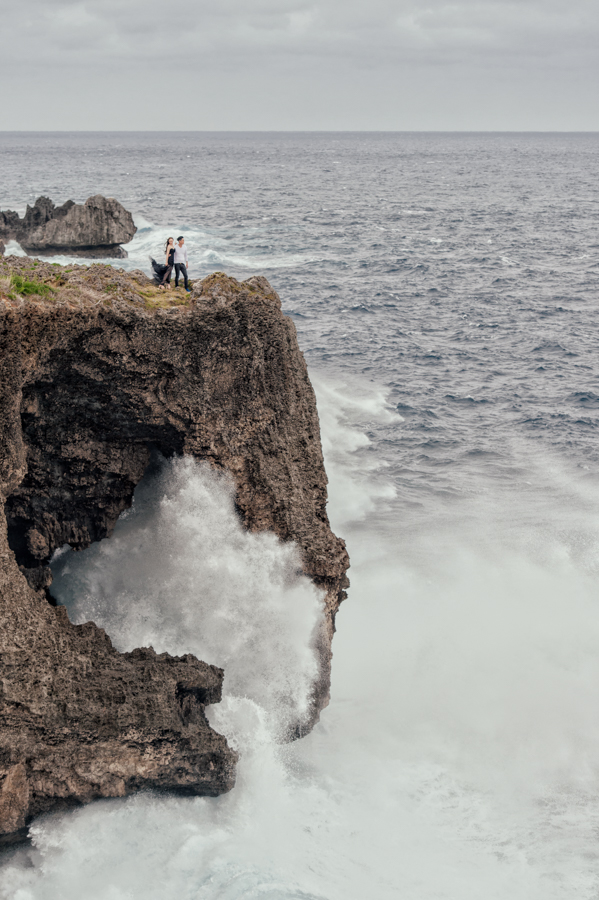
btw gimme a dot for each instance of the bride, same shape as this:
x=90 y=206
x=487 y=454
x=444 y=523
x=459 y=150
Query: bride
x=169 y=250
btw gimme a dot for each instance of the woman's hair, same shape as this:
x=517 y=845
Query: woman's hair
x=168 y=240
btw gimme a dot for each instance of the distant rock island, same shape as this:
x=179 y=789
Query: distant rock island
x=97 y=367
x=95 y=229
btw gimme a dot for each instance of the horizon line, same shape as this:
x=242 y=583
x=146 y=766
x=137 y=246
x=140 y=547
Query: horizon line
x=294 y=131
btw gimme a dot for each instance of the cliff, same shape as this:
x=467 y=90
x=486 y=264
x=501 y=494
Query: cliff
x=94 y=229
x=97 y=368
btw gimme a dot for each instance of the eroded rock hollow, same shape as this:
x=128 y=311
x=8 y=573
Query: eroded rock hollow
x=91 y=380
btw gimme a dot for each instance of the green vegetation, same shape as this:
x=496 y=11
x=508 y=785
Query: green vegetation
x=19 y=285
x=100 y=285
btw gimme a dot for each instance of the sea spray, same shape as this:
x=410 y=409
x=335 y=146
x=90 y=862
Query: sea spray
x=458 y=755
x=181 y=574
x=345 y=412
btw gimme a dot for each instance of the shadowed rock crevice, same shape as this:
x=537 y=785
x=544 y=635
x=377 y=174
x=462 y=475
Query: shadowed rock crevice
x=86 y=392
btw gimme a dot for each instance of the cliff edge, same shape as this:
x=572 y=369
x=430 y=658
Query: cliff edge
x=97 y=368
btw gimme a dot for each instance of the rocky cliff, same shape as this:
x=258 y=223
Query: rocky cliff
x=97 y=368
x=94 y=229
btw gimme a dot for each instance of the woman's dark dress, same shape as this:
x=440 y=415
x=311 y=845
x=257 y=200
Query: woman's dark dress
x=169 y=267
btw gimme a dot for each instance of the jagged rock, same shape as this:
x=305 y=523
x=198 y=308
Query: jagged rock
x=81 y=721
x=95 y=229
x=2 y=248
x=87 y=387
x=9 y=224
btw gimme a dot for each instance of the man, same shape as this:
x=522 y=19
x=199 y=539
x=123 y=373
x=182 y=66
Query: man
x=181 y=263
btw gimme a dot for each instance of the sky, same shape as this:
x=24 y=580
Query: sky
x=278 y=65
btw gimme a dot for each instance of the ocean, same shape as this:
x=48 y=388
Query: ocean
x=444 y=288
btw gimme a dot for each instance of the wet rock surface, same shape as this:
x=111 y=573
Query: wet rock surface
x=89 y=385
x=94 y=229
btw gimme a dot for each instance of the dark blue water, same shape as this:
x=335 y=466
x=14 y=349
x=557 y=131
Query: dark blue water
x=445 y=291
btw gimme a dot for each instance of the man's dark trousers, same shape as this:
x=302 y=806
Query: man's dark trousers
x=181 y=268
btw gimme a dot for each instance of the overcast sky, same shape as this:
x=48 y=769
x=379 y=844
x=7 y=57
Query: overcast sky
x=288 y=64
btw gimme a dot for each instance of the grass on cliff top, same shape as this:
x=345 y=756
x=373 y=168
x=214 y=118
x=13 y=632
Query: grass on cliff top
x=23 y=279
x=157 y=299
x=98 y=284
x=18 y=285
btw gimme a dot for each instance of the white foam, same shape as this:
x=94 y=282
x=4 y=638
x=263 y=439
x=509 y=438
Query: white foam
x=344 y=411
x=14 y=249
x=459 y=755
x=292 y=260
x=141 y=223
x=180 y=573
x=206 y=250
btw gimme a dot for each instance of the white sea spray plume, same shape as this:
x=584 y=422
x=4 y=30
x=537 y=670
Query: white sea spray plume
x=456 y=758
x=354 y=489
x=181 y=573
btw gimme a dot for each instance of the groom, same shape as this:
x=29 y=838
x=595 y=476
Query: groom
x=181 y=262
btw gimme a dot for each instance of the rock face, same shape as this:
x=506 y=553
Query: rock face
x=87 y=388
x=95 y=229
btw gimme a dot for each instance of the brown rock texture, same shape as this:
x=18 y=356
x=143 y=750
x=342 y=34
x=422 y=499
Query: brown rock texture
x=94 y=229
x=93 y=375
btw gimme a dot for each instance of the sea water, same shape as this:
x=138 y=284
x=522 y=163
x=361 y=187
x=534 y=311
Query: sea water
x=444 y=289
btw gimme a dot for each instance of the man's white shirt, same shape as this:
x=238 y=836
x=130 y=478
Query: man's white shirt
x=180 y=254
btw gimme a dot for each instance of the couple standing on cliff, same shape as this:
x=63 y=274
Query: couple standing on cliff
x=176 y=255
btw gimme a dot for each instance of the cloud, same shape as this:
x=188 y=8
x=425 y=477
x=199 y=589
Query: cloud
x=432 y=64
x=67 y=32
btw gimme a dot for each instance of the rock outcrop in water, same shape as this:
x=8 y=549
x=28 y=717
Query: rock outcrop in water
x=95 y=229
x=95 y=372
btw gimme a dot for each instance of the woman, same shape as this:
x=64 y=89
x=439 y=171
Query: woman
x=169 y=250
